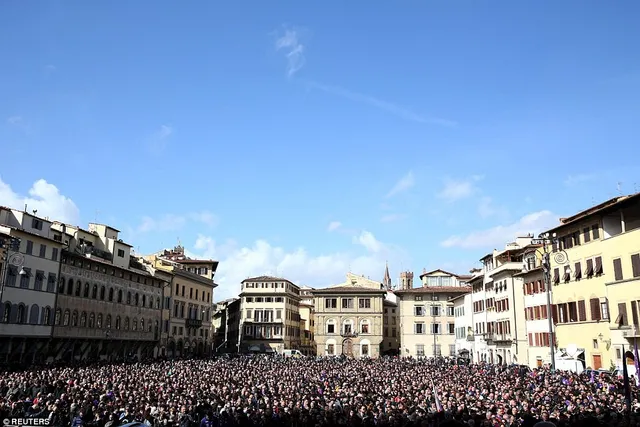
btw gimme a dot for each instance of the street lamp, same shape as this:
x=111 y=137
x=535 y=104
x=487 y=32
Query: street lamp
x=559 y=258
x=15 y=259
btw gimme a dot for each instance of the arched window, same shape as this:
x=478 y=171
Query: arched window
x=67 y=315
x=78 y=288
x=83 y=319
x=158 y=302
x=144 y=300
x=86 y=290
x=74 y=318
x=70 y=287
x=46 y=318
x=347 y=327
x=34 y=314
x=94 y=292
x=61 y=283
x=108 y=322
x=92 y=320
x=119 y=295
x=118 y=322
x=142 y=324
x=134 y=324
x=137 y=299
x=110 y=294
x=6 y=313
x=58 y=317
x=126 y=323
x=129 y=298
x=331 y=326
x=22 y=314
x=365 y=326
x=103 y=292
x=99 y=321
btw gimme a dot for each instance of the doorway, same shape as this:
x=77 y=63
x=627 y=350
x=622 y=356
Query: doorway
x=347 y=347
x=597 y=361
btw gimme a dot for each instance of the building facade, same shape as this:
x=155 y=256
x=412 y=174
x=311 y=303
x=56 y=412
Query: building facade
x=390 y=336
x=31 y=273
x=108 y=306
x=595 y=281
x=270 y=315
x=307 y=322
x=463 y=325
x=427 y=321
x=350 y=318
x=226 y=325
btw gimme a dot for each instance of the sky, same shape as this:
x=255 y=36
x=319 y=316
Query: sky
x=308 y=139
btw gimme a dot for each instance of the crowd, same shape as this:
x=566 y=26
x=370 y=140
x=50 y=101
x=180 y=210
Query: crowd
x=312 y=392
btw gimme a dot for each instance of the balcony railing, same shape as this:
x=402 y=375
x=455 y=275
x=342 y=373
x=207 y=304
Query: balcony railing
x=502 y=338
x=348 y=334
x=632 y=332
x=193 y=323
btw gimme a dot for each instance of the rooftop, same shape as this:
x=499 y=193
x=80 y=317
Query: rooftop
x=349 y=289
x=267 y=279
x=436 y=290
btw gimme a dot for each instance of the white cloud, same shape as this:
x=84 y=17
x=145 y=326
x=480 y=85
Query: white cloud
x=14 y=120
x=405 y=183
x=390 y=107
x=43 y=197
x=486 y=208
x=573 y=180
x=497 y=237
x=165 y=131
x=290 y=44
x=159 y=141
x=455 y=190
x=172 y=222
x=334 y=225
x=298 y=265
x=392 y=217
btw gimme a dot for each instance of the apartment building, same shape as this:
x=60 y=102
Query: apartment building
x=32 y=255
x=270 y=315
x=427 y=321
x=595 y=274
x=226 y=324
x=307 y=321
x=463 y=325
x=108 y=305
x=536 y=297
x=390 y=335
x=349 y=318
x=498 y=305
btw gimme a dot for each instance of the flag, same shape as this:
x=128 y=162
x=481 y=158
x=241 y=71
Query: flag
x=625 y=377
x=593 y=376
x=435 y=395
x=637 y=362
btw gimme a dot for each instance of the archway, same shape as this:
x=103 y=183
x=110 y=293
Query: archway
x=347 y=347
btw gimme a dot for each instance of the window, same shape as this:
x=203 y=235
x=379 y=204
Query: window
x=29 y=250
x=586 y=234
x=347 y=328
x=347 y=303
x=451 y=328
x=420 y=350
x=452 y=349
x=364 y=327
x=418 y=310
x=435 y=310
x=51 y=282
x=617 y=269
x=331 y=327
x=365 y=350
x=364 y=302
x=121 y=253
x=418 y=298
x=330 y=303
x=279 y=313
x=36 y=223
x=24 y=279
x=450 y=311
x=54 y=254
x=331 y=349
x=435 y=328
x=635 y=265
x=418 y=328
x=595 y=231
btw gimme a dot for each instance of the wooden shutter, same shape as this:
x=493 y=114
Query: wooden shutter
x=544 y=312
x=556 y=275
x=554 y=313
x=578 y=270
x=595 y=309
x=589 y=271
x=596 y=232
x=617 y=269
x=634 y=312
x=622 y=312
x=635 y=265
x=587 y=234
x=599 y=269
x=582 y=311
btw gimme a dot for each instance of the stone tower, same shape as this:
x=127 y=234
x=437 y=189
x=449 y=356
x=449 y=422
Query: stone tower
x=406 y=280
x=386 y=282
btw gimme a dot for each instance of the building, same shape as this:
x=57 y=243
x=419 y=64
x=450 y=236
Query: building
x=390 y=336
x=226 y=325
x=463 y=325
x=406 y=280
x=270 y=315
x=307 y=322
x=595 y=286
x=500 y=334
x=427 y=319
x=189 y=297
x=536 y=314
x=349 y=318
x=108 y=305
x=30 y=275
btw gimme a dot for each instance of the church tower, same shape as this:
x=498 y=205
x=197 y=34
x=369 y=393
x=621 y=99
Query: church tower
x=386 y=282
x=406 y=280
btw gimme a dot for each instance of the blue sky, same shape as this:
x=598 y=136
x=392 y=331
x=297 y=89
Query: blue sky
x=307 y=140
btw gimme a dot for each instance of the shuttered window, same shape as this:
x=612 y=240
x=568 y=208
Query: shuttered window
x=634 y=312
x=617 y=269
x=622 y=320
x=594 y=304
x=595 y=230
x=635 y=265
x=589 y=271
x=598 y=268
x=582 y=311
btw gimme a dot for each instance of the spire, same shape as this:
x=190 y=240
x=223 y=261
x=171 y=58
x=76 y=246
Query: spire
x=387 y=277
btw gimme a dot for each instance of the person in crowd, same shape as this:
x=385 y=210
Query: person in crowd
x=271 y=391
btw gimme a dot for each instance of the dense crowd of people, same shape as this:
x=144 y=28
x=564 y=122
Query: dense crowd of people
x=313 y=392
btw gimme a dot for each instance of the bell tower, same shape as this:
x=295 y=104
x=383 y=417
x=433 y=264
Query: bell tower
x=406 y=280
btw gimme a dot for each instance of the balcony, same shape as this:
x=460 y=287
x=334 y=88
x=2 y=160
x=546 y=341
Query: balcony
x=348 y=334
x=93 y=251
x=509 y=265
x=502 y=338
x=632 y=332
x=193 y=323
x=471 y=337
